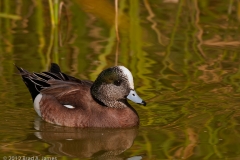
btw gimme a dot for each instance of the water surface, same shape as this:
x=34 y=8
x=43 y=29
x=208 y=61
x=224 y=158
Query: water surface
x=184 y=56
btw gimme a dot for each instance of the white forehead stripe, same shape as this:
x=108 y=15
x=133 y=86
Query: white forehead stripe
x=129 y=75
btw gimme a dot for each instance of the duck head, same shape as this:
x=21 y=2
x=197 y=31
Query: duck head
x=113 y=86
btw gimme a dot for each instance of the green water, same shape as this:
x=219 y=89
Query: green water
x=184 y=56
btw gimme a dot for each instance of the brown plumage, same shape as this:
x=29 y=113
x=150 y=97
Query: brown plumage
x=88 y=108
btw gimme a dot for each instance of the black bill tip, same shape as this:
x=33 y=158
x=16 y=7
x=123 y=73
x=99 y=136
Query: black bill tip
x=143 y=103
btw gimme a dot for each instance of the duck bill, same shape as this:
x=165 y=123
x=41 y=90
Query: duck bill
x=135 y=98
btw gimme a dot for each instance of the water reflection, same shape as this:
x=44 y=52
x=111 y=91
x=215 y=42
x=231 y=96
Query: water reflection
x=76 y=142
x=184 y=56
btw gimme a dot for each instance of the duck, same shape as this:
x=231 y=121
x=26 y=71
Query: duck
x=64 y=100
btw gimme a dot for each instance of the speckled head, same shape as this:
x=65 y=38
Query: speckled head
x=113 y=86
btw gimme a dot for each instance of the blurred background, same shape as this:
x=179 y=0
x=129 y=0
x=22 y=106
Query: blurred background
x=183 y=54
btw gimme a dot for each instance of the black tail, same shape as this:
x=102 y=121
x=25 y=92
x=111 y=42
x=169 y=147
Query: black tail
x=35 y=82
x=55 y=68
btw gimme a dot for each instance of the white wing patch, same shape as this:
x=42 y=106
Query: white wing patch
x=129 y=76
x=68 y=106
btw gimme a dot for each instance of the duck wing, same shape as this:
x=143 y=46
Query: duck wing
x=66 y=103
x=36 y=82
x=69 y=93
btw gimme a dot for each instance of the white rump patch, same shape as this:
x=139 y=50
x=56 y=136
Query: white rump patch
x=36 y=104
x=129 y=76
x=38 y=135
x=69 y=106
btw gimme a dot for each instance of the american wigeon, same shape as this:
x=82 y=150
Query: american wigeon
x=67 y=101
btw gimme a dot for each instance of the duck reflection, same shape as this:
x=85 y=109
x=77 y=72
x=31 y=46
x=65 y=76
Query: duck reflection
x=77 y=142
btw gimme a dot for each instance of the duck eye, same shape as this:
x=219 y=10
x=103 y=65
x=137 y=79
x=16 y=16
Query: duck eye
x=117 y=82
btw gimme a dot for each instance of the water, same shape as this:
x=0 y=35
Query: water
x=184 y=56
